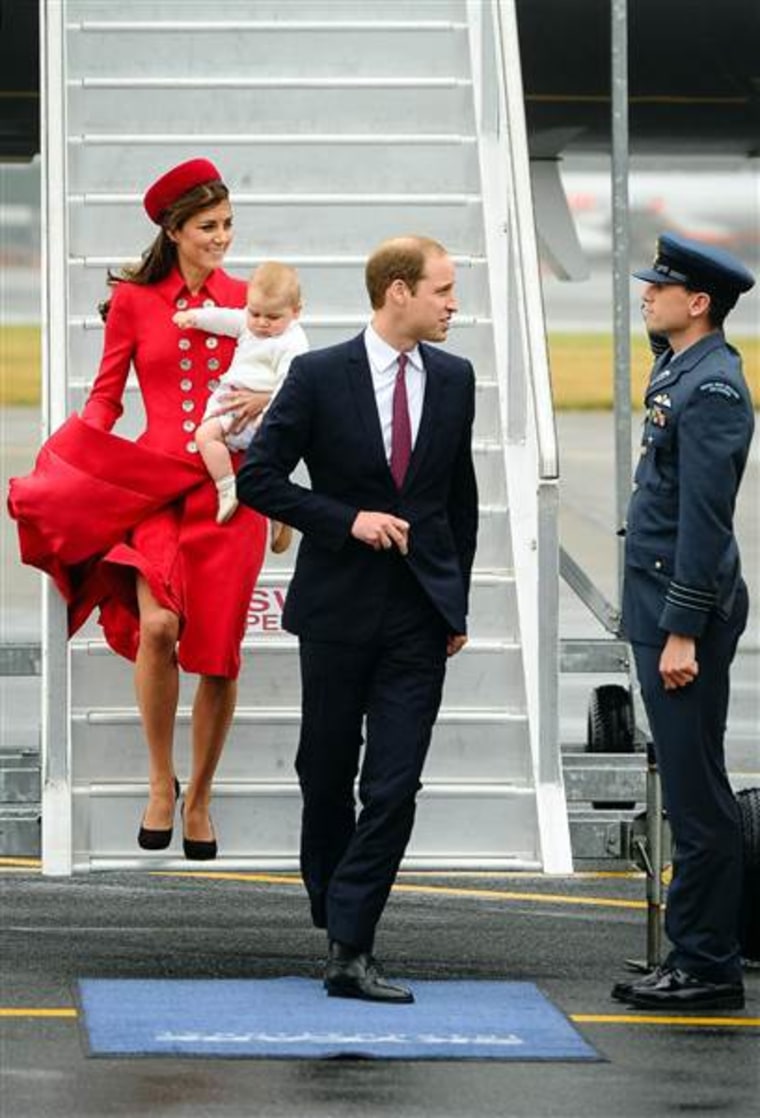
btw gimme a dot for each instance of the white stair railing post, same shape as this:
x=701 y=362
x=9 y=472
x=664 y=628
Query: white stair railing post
x=55 y=745
x=528 y=423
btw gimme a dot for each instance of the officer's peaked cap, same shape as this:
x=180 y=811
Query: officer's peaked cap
x=699 y=266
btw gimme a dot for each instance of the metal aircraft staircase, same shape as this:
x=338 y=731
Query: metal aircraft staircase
x=336 y=123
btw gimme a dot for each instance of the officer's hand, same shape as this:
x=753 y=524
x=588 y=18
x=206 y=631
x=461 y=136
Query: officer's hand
x=381 y=531
x=455 y=642
x=678 y=663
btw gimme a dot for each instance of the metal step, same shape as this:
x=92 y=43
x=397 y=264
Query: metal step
x=484 y=670
x=472 y=338
x=267 y=48
x=604 y=777
x=358 y=161
x=368 y=11
x=471 y=746
x=20 y=830
x=493 y=607
x=260 y=823
x=600 y=835
x=616 y=782
x=20 y=777
x=342 y=105
x=22 y=658
x=330 y=284
x=326 y=223
x=133 y=421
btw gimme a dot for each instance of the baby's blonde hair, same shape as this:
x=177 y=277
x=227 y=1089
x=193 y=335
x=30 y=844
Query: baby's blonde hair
x=275 y=280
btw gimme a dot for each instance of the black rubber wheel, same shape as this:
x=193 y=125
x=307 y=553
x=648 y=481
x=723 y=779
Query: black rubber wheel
x=610 y=730
x=749 y=810
x=610 y=720
x=749 y=931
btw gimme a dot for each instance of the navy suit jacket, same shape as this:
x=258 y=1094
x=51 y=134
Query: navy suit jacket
x=681 y=555
x=326 y=415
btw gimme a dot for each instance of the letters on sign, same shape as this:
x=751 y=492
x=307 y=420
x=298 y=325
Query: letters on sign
x=265 y=610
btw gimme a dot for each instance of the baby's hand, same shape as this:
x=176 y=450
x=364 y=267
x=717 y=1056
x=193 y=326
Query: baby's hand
x=183 y=319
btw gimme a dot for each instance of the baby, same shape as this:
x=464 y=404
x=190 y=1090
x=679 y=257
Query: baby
x=269 y=337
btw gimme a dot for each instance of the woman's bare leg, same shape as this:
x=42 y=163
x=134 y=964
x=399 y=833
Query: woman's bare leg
x=213 y=709
x=157 y=688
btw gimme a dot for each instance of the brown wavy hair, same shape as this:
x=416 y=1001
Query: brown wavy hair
x=160 y=257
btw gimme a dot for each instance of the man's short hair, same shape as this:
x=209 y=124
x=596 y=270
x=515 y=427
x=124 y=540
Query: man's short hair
x=720 y=305
x=400 y=258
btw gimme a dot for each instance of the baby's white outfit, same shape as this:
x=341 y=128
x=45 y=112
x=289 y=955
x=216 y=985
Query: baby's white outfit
x=260 y=364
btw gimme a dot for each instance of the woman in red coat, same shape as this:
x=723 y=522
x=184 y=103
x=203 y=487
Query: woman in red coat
x=174 y=589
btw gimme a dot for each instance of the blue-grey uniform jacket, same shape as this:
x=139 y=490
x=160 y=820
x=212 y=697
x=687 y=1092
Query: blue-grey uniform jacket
x=681 y=555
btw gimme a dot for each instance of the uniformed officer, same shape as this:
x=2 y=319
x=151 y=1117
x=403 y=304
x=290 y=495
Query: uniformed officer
x=685 y=606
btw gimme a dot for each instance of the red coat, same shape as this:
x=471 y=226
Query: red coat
x=98 y=507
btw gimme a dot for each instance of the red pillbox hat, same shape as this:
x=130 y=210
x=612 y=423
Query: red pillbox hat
x=175 y=183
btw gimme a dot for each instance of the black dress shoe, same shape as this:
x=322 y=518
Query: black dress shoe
x=198 y=850
x=674 y=989
x=621 y=990
x=355 y=974
x=149 y=838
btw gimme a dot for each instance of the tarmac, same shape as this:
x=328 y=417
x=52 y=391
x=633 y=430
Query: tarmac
x=569 y=935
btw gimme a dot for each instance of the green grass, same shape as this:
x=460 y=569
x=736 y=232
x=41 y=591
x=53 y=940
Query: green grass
x=581 y=367
x=20 y=362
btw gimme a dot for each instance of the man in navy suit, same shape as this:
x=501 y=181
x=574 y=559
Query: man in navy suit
x=379 y=594
x=685 y=606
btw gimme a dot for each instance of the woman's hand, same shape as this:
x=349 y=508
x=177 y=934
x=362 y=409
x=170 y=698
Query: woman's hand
x=245 y=405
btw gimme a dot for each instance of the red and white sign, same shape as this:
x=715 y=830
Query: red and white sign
x=265 y=610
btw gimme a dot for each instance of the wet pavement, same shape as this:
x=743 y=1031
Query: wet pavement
x=567 y=935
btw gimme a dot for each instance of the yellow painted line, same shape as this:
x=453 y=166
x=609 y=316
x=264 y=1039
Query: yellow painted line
x=20 y=863
x=523 y=875
x=424 y=890
x=30 y=1011
x=38 y=1012
x=221 y=875
x=654 y=1019
x=504 y=895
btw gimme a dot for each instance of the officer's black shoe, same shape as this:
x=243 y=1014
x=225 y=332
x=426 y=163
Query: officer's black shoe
x=674 y=989
x=621 y=990
x=355 y=974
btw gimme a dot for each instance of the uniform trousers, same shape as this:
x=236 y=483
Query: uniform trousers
x=392 y=685
x=688 y=728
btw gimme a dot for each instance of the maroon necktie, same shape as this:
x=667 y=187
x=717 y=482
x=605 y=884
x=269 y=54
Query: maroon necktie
x=401 y=428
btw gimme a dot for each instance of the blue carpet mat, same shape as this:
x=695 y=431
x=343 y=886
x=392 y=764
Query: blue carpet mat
x=292 y=1018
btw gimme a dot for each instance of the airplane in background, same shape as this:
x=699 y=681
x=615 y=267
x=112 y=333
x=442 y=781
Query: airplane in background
x=720 y=207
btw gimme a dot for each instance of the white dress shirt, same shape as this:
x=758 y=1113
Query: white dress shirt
x=383 y=364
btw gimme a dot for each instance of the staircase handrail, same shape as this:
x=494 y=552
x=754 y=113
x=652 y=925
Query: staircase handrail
x=536 y=367
x=527 y=413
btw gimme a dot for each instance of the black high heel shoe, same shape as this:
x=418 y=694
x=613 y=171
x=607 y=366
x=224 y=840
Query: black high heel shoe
x=197 y=850
x=150 y=839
